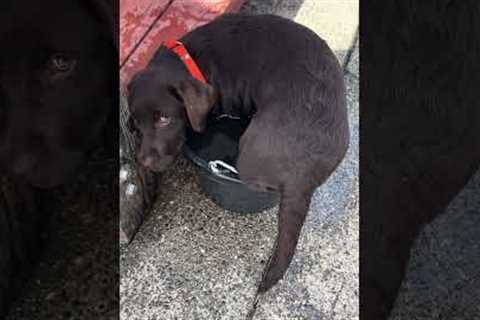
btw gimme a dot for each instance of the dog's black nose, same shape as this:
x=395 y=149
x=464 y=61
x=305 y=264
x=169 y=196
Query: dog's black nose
x=146 y=161
x=22 y=164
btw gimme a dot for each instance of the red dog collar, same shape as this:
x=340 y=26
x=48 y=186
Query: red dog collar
x=179 y=49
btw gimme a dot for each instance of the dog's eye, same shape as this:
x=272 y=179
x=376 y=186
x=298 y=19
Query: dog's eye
x=161 y=120
x=62 y=63
x=173 y=91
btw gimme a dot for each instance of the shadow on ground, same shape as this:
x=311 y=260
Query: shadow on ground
x=443 y=277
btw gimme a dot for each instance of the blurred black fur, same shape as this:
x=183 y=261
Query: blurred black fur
x=420 y=123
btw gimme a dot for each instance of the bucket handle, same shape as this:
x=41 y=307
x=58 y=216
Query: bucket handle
x=215 y=167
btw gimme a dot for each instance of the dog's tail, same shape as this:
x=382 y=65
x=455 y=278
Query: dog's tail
x=291 y=216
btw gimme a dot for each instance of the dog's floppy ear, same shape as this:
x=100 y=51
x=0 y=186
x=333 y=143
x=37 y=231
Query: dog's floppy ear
x=199 y=98
x=132 y=86
x=137 y=80
x=106 y=12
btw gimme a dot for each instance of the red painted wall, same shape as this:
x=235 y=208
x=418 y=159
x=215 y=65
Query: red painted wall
x=144 y=24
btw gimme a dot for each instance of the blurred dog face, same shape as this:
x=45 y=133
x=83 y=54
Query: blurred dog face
x=55 y=88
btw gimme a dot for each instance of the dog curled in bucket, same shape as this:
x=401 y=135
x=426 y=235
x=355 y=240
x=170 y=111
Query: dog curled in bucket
x=270 y=69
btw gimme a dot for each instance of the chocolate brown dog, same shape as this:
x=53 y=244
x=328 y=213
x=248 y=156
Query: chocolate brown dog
x=272 y=70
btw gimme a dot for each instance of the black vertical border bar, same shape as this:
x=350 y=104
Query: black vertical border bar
x=420 y=129
x=30 y=216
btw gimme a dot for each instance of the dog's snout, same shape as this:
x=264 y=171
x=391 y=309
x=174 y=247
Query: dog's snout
x=22 y=164
x=147 y=162
x=154 y=161
x=146 y=159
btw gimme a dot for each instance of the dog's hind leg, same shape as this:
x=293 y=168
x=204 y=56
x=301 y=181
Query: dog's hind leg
x=291 y=216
